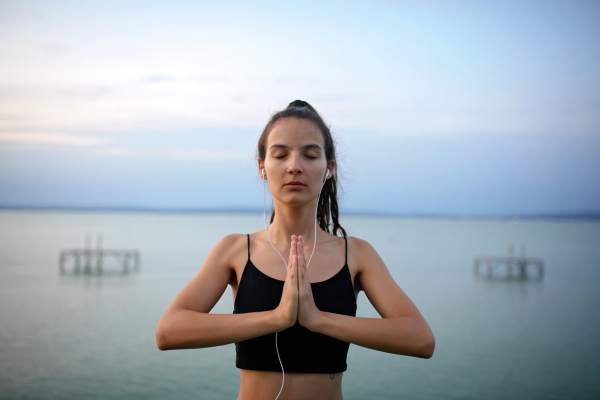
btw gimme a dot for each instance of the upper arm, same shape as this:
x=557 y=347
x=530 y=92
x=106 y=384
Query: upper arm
x=377 y=283
x=205 y=289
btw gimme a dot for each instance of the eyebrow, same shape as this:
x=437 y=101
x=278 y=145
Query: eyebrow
x=308 y=146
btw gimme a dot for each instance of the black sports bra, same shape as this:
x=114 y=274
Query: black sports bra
x=300 y=349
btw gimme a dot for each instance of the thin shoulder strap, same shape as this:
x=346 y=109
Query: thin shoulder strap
x=346 y=240
x=248 y=246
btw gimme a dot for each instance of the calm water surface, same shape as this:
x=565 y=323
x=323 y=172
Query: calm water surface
x=80 y=336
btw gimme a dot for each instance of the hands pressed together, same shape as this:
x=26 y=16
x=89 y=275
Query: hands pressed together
x=297 y=302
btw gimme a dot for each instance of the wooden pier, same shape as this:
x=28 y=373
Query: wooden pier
x=522 y=266
x=89 y=260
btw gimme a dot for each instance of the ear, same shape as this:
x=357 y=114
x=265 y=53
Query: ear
x=261 y=169
x=330 y=169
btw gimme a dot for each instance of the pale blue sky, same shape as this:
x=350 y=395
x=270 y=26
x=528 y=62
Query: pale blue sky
x=462 y=107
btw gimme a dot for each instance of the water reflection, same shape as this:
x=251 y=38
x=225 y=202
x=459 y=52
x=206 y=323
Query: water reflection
x=535 y=279
x=509 y=268
x=74 y=273
x=99 y=279
x=506 y=285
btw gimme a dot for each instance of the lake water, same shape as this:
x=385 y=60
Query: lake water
x=77 y=336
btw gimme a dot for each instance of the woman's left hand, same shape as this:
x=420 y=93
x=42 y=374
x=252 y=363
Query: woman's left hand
x=308 y=312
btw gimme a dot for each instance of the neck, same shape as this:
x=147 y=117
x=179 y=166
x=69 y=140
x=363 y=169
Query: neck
x=299 y=221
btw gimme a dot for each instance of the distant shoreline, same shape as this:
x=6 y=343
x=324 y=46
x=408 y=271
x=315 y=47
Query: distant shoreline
x=157 y=210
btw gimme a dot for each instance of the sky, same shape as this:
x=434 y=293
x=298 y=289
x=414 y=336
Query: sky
x=461 y=108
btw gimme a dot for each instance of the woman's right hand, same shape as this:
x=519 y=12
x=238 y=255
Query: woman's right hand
x=287 y=311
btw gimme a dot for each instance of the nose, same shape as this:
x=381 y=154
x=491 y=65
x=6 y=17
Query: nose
x=294 y=166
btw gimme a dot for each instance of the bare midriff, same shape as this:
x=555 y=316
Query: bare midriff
x=261 y=385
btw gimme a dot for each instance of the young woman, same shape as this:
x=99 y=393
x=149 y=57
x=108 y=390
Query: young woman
x=295 y=284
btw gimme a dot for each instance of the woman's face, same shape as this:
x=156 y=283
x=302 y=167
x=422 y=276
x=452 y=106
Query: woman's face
x=295 y=162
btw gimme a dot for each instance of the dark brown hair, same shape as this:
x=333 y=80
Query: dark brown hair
x=327 y=209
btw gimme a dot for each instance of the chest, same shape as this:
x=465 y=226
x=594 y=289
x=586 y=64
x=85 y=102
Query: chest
x=258 y=292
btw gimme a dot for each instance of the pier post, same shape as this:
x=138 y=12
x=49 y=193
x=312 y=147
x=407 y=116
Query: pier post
x=99 y=254
x=87 y=254
x=126 y=263
x=523 y=267
x=61 y=263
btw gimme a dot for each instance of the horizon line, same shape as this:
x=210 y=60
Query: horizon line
x=593 y=215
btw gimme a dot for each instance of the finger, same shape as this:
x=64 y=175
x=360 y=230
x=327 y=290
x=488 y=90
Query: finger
x=292 y=252
x=301 y=253
x=301 y=264
x=295 y=269
x=301 y=276
x=303 y=280
x=304 y=272
x=303 y=268
x=299 y=245
x=297 y=258
x=300 y=273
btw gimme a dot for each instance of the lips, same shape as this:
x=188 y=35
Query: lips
x=294 y=184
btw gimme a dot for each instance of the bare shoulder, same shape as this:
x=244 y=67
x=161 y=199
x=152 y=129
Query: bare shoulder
x=362 y=254
x=229 y=249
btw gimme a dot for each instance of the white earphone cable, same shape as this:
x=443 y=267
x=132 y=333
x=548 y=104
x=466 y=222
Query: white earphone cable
x=280 y=363
x=284 y=262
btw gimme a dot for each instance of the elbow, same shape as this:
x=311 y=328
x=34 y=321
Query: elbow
x=162 y=341
x=428 y=347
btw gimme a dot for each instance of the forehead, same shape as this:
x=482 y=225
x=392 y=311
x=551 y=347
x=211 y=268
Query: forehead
x=295 y=132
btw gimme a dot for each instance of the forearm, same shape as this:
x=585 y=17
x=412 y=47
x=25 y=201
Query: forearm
x=409 y=336
x=186 y=329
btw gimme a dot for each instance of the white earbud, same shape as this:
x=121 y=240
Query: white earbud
x=263 y=173
x=326 y=173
